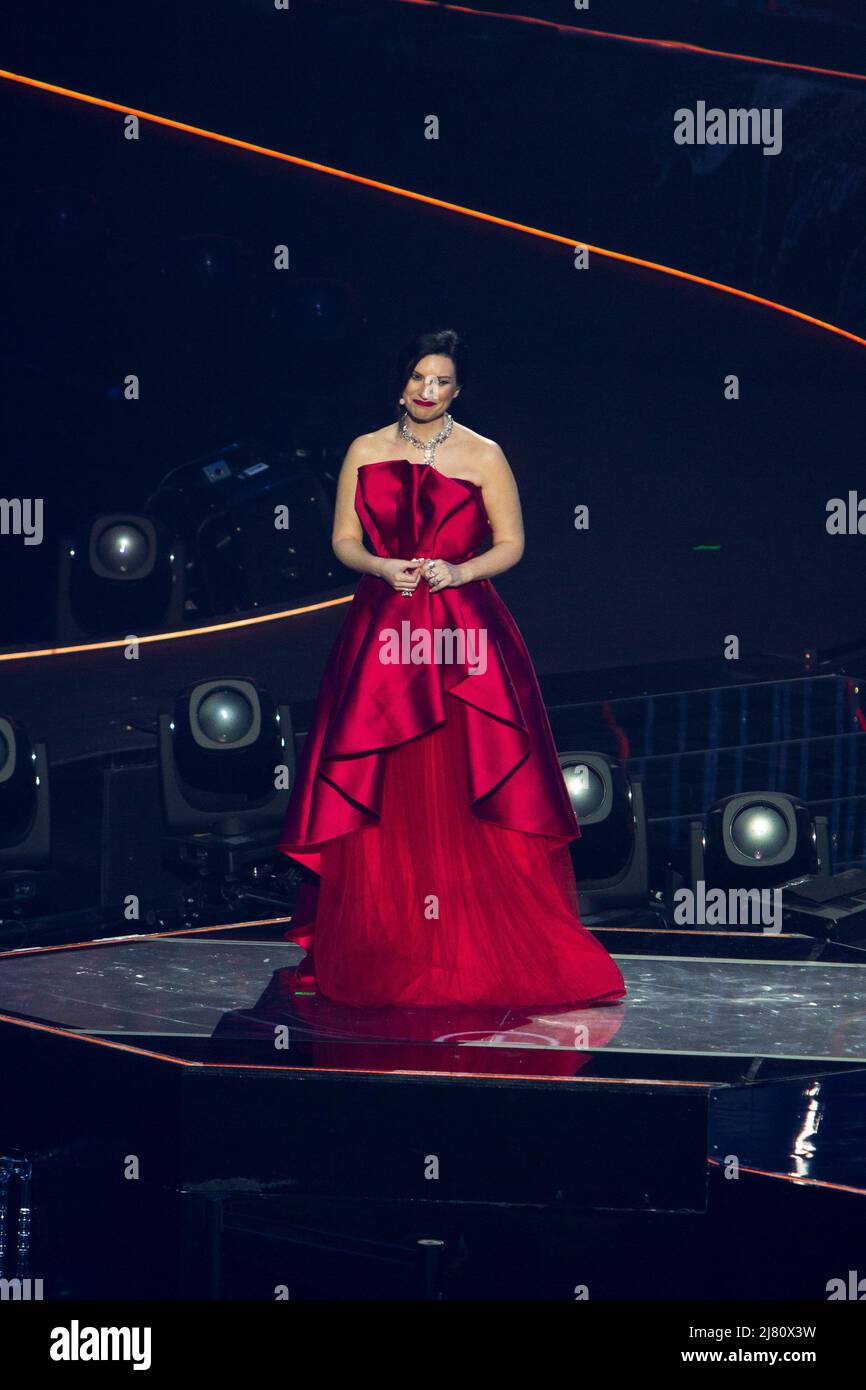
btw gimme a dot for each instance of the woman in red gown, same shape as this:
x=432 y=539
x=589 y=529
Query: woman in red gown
x=429 y=798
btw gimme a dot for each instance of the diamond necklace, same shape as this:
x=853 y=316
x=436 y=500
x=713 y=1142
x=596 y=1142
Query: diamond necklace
x=429 y=446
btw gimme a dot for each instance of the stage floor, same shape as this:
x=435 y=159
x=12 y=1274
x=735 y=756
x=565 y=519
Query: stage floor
x=203 y=995
x=217 y=1036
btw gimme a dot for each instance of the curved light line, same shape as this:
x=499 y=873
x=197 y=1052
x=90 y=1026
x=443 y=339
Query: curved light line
x=97 y=942
x=490 y=218
x=794 y=1178
x=177 y=632
x=671 y=45
x=56 y=1030
x=415 y=196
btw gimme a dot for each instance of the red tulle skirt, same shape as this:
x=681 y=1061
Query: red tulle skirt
x=432 y=905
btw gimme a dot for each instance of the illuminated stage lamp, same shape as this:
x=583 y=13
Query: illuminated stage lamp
x=219 y=755
x=610 y=858
x=125 y=575
x=757 y=840
x=25 y=820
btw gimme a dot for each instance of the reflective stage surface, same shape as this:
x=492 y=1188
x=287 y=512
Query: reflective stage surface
x=775 y=1050
x=174 y=990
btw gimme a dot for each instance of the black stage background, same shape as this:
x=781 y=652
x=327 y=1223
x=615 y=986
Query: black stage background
x=604 y=386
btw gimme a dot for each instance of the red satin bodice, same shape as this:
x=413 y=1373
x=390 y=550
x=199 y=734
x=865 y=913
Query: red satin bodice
x=366 y=706
x=408 y=509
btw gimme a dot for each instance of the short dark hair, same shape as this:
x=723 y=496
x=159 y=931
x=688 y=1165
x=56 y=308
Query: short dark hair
x=443 y=342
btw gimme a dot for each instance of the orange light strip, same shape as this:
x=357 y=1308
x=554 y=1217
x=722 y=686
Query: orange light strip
x=597 y=928
x=671 y=45
x=178 y=632
x=795 y=1179
x=15 y=952
x=56 y=1031
x=490 y=218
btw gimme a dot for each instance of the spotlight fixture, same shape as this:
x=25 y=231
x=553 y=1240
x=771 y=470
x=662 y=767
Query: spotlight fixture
x=227 y=764
x=124 y=575
x=257 y=525
x=610 y=858
x=247 y=563
x=757 y=839
x=25 y=839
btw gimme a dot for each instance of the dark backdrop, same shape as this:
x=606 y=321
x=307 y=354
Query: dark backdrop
x=604 y=387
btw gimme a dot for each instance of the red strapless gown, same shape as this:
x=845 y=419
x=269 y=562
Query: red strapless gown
x=429 y=799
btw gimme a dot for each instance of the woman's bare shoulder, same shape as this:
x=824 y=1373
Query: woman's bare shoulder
x=364 y=449
x=485 y=454
x=367 y=448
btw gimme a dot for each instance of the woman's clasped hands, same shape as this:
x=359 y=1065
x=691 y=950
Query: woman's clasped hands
x=405 y=575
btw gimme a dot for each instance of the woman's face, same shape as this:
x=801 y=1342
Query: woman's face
x=431 y=388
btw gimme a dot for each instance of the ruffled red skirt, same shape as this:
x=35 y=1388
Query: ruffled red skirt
x=431 y=905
